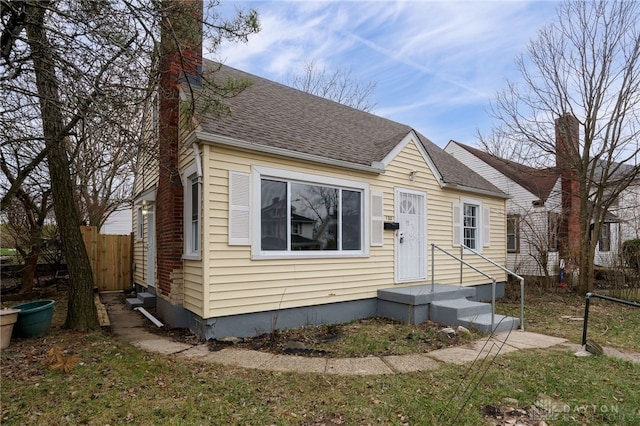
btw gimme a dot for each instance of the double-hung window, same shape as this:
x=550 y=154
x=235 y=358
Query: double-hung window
x=604 y=241
x=192 y=213
x=301 y=215
x=470 y=216
x=471 y=224
x=139 y=223
x=513 y=233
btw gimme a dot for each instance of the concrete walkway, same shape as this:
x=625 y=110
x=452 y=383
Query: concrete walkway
x=130 y=326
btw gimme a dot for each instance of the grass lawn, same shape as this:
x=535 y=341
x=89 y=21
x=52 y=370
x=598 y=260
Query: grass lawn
x=560 y=312
x=110 y=382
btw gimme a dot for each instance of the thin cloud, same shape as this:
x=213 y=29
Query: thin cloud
x=427 y=58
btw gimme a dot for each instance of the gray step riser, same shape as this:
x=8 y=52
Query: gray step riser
x=145 y=300
x=483 y=323
x=148 y=299
x=452 y=295
x=133 y=302
x=450 y=314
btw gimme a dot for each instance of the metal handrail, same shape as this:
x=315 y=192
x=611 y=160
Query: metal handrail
x=521 y=279
x=493 y=286
x=588 y=297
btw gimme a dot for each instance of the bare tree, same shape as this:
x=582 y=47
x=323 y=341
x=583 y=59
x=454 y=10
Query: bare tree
x=337 y=85
x=585 y=64
x=103 y=165
x=24 y=229
x=74 y=63
x=510 y=146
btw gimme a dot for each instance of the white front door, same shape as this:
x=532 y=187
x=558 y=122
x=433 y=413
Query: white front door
x=411 y=238
x=151 y=246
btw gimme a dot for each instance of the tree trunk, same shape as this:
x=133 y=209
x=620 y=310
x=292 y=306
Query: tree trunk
x=29 y=271
x=586 y=255
x=81 y=312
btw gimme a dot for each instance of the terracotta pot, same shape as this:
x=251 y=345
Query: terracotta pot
x=8 y=317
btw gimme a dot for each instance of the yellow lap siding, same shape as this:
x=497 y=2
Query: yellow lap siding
x=231 y=282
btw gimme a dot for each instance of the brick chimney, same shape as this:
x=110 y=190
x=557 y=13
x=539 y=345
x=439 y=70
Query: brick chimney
x=567 y=155
x=180 y=64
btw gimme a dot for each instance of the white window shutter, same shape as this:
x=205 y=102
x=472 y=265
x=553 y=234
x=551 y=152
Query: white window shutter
x=486 y=227
x=239 y=197
x=457 y=225
x=377 y=218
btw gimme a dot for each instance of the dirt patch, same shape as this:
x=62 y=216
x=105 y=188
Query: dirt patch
x=361 y=338
x=372 y=336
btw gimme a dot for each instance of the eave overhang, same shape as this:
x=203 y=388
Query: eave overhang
x=208 y=138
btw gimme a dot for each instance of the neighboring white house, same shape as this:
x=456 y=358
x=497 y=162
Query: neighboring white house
x=535 y=216
x=533 y=208
x=119 y=222
x=627 y=210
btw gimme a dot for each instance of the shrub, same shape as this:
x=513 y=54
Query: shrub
x=631 y=253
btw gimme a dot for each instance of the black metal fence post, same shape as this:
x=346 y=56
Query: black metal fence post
x=586 y=310
x=587 y=302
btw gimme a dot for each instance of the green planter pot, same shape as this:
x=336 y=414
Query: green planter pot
x=34 y=318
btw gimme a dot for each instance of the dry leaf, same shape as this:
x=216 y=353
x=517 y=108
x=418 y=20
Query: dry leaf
x=57 y=360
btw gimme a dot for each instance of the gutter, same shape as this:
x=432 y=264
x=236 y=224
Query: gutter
x=475 y=190
x=195 y=136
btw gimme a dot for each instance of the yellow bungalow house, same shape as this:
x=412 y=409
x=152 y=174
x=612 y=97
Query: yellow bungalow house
x=299 y=210
x=293 y=209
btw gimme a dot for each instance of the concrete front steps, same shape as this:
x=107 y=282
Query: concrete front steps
x=444 y=304
x=470 y=314
x=143 y=299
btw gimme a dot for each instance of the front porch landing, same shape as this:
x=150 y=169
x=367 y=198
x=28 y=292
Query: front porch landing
x=445 y=304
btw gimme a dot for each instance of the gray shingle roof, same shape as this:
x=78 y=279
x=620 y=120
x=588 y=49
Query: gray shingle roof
x=539 y=182
x=277 y=116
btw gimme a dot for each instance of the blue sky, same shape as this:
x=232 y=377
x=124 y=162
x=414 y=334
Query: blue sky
x=436 y=64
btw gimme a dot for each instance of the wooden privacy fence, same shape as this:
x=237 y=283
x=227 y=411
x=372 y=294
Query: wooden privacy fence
x=111 y=259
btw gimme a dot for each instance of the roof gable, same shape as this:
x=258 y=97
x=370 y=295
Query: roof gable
x=539 y=182
x=283 y=119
